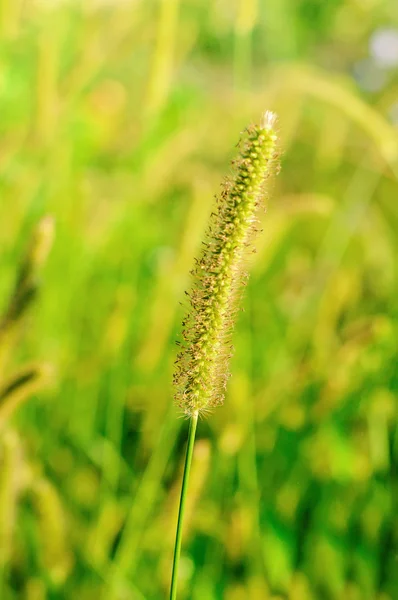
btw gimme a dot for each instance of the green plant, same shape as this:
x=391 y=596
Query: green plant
x=19 y=477
x=219 y=276
x=17 y=388
x=107 y=109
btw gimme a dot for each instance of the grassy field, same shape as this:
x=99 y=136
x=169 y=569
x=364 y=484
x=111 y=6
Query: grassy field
x=119 y=120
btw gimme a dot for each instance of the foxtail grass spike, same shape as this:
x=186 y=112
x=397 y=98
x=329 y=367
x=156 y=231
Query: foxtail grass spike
x=219 y=274
x=26 y=285
x=20 y=387
x=219 y=277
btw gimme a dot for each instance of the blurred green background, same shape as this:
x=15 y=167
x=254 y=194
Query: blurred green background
x=119 y=119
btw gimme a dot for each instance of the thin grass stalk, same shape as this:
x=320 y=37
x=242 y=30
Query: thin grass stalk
x=243 y=51
x=163 y=58
x=185 y=480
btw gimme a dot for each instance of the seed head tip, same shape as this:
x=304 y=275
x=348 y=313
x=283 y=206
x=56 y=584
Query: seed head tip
x=268 y=120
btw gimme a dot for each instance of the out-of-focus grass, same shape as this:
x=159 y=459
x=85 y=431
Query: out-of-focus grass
x=119 y=120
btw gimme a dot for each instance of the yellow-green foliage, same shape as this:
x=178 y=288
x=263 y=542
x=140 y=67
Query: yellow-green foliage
x=16 y=474
x=118 y=118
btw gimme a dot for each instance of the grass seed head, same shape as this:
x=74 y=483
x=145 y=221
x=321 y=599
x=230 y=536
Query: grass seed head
x=219 y=273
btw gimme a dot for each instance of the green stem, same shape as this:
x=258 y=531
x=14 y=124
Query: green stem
x=185 y=478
